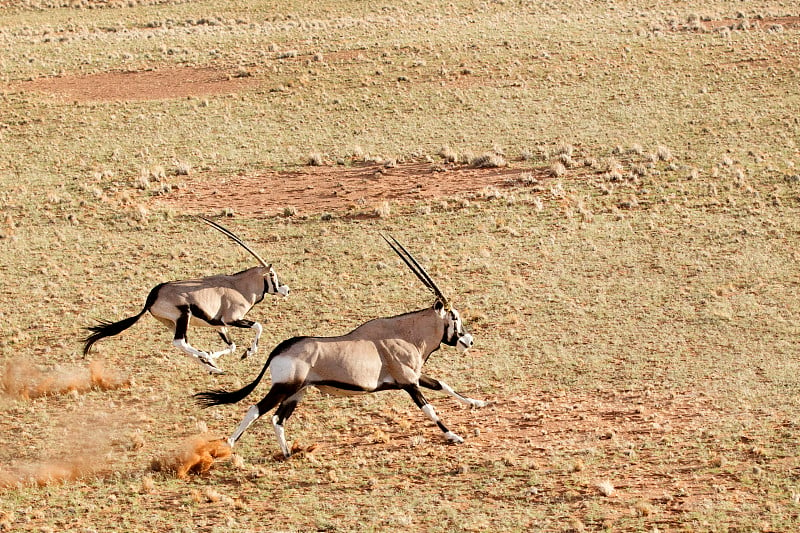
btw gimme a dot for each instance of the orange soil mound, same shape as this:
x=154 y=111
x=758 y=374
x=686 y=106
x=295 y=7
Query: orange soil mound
x=196 y=456
x=21 y=379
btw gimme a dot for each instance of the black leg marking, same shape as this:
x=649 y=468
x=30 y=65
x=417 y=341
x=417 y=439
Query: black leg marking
x=416 y=395
x=434 y=384
x=243 y=323
x=277 y=394
x=225 y=338
x=426 y=407
x=429 y=382
x=285 y=410
x=182 y=324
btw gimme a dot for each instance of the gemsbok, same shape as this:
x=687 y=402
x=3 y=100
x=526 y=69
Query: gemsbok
x=216 y=301
x=382 y=354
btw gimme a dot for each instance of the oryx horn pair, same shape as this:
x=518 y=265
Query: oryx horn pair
x=417 y=269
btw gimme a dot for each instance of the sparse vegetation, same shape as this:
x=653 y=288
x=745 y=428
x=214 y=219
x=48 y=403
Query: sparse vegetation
x=635 y=322
x=489 y=160
x=316 y=159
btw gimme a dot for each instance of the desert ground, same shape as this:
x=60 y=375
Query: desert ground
x=608 y=192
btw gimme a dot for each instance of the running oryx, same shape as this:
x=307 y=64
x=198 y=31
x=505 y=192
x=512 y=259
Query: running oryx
x=216 y=301
x=382 y=354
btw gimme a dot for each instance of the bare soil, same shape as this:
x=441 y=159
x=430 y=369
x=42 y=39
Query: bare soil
x=357 y=189
x=178 y=82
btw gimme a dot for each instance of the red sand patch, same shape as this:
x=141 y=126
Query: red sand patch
x=178 y=82
x=329 y=189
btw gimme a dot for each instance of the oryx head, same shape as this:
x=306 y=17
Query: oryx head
x=272 y=284
x=454 y=332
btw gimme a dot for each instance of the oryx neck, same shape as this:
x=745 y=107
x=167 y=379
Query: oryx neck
x=424 y=329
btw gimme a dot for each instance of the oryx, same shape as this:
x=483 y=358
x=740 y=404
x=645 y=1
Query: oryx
x=382 y=354
x=216 y=301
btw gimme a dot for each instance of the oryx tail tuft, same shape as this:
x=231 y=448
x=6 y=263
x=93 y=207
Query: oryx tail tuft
x=108 y=329
x=221 y=396
x=105 y=328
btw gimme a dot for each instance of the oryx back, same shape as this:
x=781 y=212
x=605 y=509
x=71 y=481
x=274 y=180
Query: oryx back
x=212 y=300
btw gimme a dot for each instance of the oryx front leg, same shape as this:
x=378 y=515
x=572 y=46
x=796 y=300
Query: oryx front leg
x=203 y=358
x=254 y=326
x=230 y=348
x=428 y=409
x=251 y=416
x=435 y=384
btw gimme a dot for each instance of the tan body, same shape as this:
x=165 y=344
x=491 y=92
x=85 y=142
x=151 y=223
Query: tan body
x=381 y=352
x=222 y=297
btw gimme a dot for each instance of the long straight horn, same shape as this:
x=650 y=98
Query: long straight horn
x=235 y=238
x=415 y=267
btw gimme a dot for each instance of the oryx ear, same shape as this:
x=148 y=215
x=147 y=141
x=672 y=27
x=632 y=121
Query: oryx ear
x=439 y=307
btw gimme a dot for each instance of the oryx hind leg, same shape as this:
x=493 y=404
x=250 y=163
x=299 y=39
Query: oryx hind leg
x=428 y=409
x=282 y=414
x=276 y=395
x=251 y=325
x=434 y=384
x=203 y=358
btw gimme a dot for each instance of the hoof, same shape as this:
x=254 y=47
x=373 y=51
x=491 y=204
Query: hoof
x=453 y=438
x=477 y=404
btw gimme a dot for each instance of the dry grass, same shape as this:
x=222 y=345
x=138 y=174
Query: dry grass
x=636 y=327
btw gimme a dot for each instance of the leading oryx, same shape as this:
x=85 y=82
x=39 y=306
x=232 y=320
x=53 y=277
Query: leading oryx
x=216 y=301
x=382 y=354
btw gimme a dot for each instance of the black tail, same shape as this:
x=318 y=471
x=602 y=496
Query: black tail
x=221 y=396
x=109 y=329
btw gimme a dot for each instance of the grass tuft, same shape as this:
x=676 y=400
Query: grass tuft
x=489 y=160
x=315 y=159
x=383 y=209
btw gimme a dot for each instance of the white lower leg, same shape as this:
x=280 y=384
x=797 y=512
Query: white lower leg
x=251 y=416
x=281 y=434
x=431 y=413
x=463 y=399
x=230 y=349
x=254 y=347
x=203 y=358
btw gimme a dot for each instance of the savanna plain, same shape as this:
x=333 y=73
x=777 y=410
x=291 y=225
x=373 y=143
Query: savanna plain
x=608 y=191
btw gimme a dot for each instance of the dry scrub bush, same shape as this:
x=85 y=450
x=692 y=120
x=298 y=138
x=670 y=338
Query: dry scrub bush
x=490 y=160
x=557 y=169
x=383 y=209
x=315 y=159
x=448 y=154
x=182 y=168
